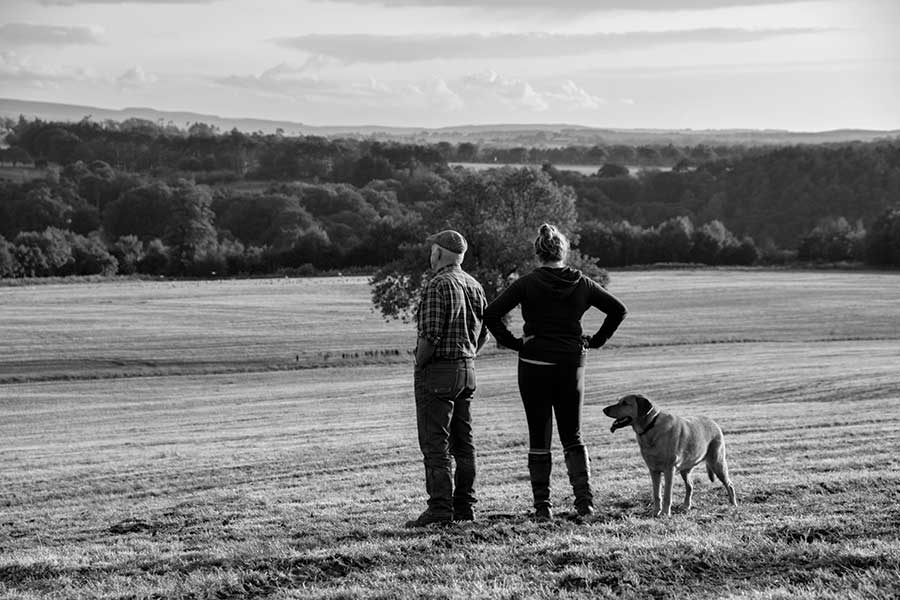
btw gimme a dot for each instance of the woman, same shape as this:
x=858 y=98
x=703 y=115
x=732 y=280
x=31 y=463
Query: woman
x=553 y=298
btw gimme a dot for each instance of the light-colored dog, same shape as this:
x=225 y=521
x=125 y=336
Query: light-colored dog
x=669 y=443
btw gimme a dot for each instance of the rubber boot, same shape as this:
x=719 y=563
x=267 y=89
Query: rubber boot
x=578 y=465
x=539 y=466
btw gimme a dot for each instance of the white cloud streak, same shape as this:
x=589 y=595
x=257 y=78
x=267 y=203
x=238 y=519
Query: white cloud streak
x=487 y=87
x=136 y=77
x=288 y=80
x=367 y=48
x=579 y=6
x=82 y=2
x=21 y=71
x=22 y=34
x=470 y=92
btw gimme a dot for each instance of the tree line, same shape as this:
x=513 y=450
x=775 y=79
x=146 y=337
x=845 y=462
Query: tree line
x=141 y=145
x=129 y=198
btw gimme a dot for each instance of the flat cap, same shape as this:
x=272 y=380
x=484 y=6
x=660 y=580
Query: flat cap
x=449 y=239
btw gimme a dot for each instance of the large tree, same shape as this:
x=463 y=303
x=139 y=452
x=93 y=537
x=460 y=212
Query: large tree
x=189 y=233
x=34 y=209
x=498 y=212
x=144 y=211
x=884 y=239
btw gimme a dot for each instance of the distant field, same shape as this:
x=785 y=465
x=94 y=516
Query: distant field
x=21 y=174
x=162 y=327
x=183 y=440
x=583 y=169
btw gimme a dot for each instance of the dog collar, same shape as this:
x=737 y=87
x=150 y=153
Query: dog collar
x=650 y=426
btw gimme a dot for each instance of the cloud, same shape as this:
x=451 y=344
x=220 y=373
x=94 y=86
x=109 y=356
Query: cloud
x=135 y=77
x=49 y=35
x=21 y=71
x=299 y=85
x=305 y=82
x=436 y=94
x=290 y=80
x=367 y=48
x=487 y=87
x=373 y=88
x=284 y=80
x=479 y=91
x=80 y=2
x=579 y=6
x=16 y=70
x=311 y=67
x=575 y=97
x=445 y=98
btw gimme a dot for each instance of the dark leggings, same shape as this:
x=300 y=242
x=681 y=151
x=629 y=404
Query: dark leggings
x=546 y=389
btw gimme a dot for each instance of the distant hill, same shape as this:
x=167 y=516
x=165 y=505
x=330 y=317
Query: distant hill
x=506 y=135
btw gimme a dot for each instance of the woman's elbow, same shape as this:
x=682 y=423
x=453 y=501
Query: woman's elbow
x=491 y=314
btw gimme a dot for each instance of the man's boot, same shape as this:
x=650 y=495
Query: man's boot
x=539 y=467
x=439 y=487
x=578 y=465
x=464 y=489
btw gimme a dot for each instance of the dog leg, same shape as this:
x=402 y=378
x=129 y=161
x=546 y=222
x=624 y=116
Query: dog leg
x=669 y=474
x=722 y=474
x=719 y=466
x=688 y=489
x=655 y=479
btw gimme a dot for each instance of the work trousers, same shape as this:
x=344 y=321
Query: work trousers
x=443 y=391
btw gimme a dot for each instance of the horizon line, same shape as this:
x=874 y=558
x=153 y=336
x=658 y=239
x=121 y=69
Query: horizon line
x=559 y=125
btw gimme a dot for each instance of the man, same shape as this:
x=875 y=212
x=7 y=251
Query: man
x=450 y=334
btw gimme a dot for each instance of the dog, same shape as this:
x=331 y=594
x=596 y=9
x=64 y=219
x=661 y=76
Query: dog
x=668 y=444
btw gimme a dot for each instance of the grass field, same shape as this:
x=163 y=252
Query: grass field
x=21 y=174
x=232 y=439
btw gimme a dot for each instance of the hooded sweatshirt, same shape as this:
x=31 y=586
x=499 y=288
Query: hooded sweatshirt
x=553 y=301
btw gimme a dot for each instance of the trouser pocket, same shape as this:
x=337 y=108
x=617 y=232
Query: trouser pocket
x=449 y=381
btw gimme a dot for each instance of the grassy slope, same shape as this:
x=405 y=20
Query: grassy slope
x=21 y=174
x=295 y=483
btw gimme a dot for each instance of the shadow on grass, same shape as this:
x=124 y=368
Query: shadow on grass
x=684 y=566
x=249 y=578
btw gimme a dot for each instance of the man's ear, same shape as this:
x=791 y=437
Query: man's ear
x=643 y=405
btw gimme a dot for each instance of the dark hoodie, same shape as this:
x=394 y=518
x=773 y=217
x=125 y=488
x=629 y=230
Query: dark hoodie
x=553 y=301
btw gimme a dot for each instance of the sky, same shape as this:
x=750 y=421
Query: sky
x=655 y=64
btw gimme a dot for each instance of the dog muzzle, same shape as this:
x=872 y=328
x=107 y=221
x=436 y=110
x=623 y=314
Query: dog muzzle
x=620 y=423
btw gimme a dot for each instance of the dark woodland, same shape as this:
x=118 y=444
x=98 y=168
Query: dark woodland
x=139 y=197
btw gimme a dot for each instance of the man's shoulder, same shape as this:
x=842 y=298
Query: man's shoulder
x=440 y=278
x=441 y=282
x=451 y=277
x=471 y=280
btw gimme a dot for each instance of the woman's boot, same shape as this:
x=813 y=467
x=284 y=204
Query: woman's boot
x=539 y=466
x=578 y=465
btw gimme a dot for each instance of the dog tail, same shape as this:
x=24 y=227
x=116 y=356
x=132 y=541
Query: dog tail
x=709 y=471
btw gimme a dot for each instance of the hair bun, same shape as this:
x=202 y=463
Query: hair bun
x=550 y=244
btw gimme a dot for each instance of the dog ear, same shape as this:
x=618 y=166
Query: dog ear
x=643 y=404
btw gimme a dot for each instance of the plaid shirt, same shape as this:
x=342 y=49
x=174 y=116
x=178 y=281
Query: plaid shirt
x=451 y=313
